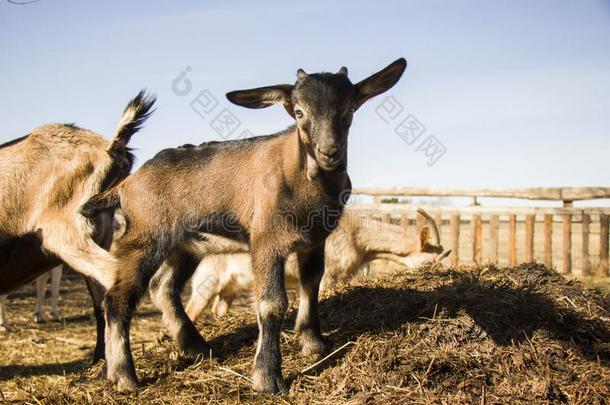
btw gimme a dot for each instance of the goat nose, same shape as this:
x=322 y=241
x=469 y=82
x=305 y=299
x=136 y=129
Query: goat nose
x=331 y=152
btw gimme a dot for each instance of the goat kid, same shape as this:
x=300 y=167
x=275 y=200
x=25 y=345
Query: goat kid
x=45 y=178
x=357 y=240
x=271 y=195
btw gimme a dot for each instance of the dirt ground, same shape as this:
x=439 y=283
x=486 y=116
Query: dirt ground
x=466 y=335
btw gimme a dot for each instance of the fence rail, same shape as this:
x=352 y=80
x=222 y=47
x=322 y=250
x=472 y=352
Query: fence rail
x=568 y=238
x=565 y=194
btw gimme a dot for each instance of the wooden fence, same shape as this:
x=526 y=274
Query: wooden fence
x=573 y=240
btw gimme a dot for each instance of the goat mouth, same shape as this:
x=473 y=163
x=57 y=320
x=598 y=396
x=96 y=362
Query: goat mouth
x=326 y=163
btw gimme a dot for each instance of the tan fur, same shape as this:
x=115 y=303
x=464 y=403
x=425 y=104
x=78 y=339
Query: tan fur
x=45 y=180
x=63 y=184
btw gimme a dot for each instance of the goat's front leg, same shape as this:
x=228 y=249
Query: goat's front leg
x=165 y=289
x=271 y=305
x=41 y=289
x=55 y=284
x=311 y=270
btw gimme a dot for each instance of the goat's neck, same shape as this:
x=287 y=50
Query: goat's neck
x=377 y=237
x=297 y=162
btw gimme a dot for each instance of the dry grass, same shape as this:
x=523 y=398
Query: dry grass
x=466 y=335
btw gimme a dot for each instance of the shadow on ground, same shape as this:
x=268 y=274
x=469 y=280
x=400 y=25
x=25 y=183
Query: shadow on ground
x=508 y=310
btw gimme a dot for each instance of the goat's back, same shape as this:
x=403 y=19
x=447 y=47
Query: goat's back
x=46 y=170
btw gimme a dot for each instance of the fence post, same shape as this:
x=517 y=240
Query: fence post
x=494 y=235
x=512 y=240
x=530 y=220
x=567 y=244
x=602 y=269
x=387 y=218
x=455 y=239
x=438 y=218
x=585 y=267
x=404 y=222
x=477 y=243
x=548 y=240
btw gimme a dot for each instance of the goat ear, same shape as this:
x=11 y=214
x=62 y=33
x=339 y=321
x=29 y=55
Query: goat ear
x=424 y=237
x=380 y=81
x=263 y=97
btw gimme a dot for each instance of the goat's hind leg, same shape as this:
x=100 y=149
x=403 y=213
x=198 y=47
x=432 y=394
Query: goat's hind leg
x=137 y=267
x=97 y=292
x=307 y=325
x=205 y=285
x=165 y=289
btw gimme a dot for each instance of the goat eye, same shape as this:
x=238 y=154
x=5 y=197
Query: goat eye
x=298 y=113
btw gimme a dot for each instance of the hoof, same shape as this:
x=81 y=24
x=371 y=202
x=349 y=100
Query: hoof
x=55 y=317
x=39 y=317
x=122 y=382
x=194 y=345
x=313 y=346
x=267 y=381
x=127 y=385
x=199 y=349
x=97 y=357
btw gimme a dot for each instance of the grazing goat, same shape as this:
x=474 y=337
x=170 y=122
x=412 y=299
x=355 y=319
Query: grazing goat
x=356 y=241
x=272 y=195
x=41 y=289
x=45 y=178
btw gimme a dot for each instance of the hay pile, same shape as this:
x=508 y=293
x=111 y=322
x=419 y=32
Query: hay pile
x=485 y=335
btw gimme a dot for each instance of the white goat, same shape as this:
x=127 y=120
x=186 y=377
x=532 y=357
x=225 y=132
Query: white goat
x=356 y=241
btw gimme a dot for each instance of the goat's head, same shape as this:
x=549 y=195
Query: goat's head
x=322 y=105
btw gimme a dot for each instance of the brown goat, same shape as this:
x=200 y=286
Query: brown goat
x=274 y=194
x=45 y=178
x=356 y=241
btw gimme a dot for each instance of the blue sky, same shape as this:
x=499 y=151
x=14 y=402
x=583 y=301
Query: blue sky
x=518 y=92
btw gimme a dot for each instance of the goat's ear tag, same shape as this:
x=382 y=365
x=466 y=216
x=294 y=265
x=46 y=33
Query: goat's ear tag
x=301 y=74
x=342 y=71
